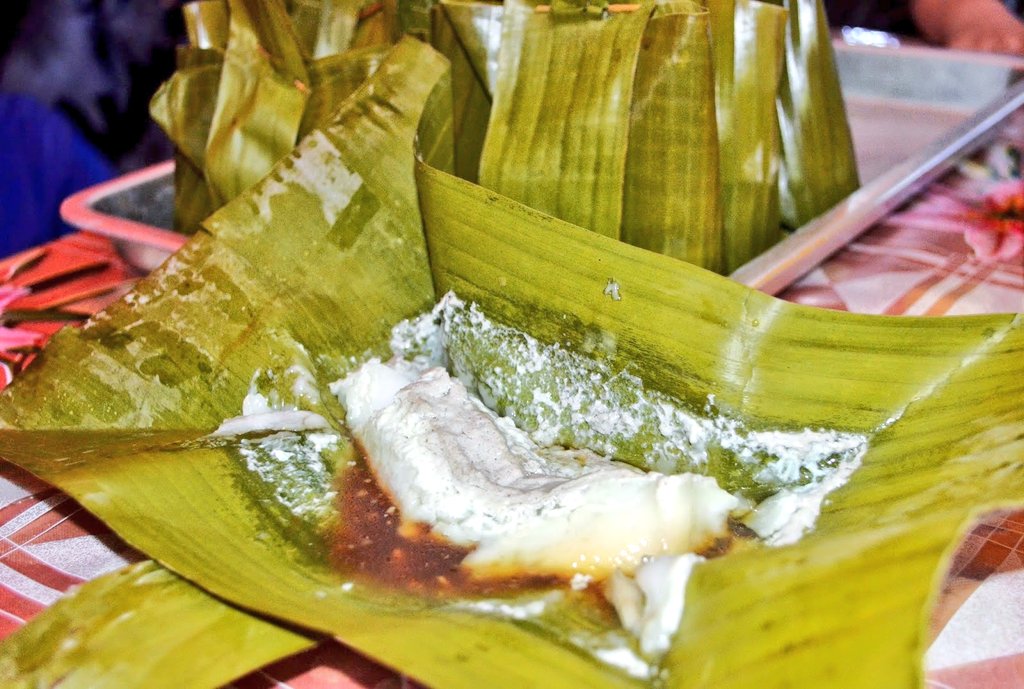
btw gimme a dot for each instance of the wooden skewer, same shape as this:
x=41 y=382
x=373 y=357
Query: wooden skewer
x=612 y=9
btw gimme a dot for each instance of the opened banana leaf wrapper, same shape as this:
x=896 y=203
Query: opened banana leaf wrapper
x=467 y=430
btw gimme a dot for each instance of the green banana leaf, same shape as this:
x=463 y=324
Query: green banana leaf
x=782 y=136
x=206 y=23
x=263 y=90
x=305 y=18
x=939 y=399
x=671 y=192
x=799 y=171
x=660 y=146
x=659 y=183
x=334 y=79
x=147 y=616
x=379 y=24
x=325 y=27
x=288 y=68
x=183 y=107
x=818 y=165
x=748 y=38
x=477 y=28
x=303 y=272
x=414 y=18
x=469 y=35
x=560 y=122
x=192 y=200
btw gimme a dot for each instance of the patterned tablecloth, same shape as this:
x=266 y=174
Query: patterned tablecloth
x=956 y=250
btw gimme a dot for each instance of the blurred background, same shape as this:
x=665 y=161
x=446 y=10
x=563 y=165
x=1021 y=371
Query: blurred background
x=76 y=77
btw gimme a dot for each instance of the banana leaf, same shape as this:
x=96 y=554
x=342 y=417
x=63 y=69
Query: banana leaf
x=300 y=271
x=183 y=107
x=748 y=39
x=379 y=24
x=305 y=19
x=149 y=617
x=334 y=79
x=631 y=153
x=263 y=90
x=289 y=67
x=671 y=192
x=559 y=125
x=469 y=35
x=206 y=24
x=818 y=165
x=414 y=18
x=939 y=399
x=192 y=200
x=477 y=27
x=325 y=27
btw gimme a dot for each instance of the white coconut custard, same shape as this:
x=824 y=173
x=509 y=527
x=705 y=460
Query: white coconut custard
x=520 y=502
x=478 y=481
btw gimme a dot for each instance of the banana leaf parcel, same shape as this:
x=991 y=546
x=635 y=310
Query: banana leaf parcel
x=688 y=129
x=309 y=272
x=661 y=129
x=254 y=79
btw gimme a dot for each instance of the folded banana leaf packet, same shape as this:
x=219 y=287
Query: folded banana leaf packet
x=713 y=122
x=202 y=419
x=254 y=78
x=692 y=129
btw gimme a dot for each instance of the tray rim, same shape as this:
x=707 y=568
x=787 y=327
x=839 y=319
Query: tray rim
x=916 y=48
x=78 y=210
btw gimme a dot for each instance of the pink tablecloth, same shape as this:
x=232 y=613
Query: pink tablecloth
x=49 y=544
x=957 y=249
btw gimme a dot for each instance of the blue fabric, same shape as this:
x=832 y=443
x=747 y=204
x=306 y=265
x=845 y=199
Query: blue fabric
x=43 y=159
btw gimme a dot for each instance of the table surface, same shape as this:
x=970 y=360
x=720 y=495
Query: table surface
x=905 y=265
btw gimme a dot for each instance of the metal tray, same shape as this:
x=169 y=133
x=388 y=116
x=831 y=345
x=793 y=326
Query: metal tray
x=914 y=112
x=901 y=99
